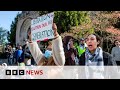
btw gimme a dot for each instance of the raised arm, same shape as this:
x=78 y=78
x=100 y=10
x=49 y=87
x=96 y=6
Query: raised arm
x=57 y=48
x=34 y=49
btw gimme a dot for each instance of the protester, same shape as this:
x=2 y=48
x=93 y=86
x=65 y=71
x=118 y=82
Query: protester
x=48 y=51
x=28 y=56
x=95 y=59
x=82 y=46
x=94 y=55
x=116 y=52
x=6 y=51
x=20 y=56
x=57 y=57
x=10 y=55
x=70 y=51
x=15 y=55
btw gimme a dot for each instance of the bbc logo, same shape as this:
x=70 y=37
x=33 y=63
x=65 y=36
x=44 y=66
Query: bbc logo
x=15 y=72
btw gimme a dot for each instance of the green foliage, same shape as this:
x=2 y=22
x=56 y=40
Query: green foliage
x=107 y=40
x=85 y=32
x=67 y=19
x=12 y=34
x=3 y=34
x=91 y=31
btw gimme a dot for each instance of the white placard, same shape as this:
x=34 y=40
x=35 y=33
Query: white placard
x=41 y=28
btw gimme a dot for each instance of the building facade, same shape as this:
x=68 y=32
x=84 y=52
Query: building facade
x=23 y=25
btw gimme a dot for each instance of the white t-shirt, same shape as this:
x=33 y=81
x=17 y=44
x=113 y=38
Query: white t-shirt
x=116 y=53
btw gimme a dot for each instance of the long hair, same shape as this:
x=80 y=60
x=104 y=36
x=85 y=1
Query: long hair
x=65 y=41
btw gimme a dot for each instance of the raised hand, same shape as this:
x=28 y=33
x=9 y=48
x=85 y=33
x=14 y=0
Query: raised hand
x=54 y=27
x=29 y=35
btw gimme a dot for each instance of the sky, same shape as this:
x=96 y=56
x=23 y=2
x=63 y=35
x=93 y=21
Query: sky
x=6 y=18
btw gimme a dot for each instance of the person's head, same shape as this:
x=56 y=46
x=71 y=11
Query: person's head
x=7 y=46
x=82 y=41
x=68 y=41
x=10 y=47
x=48 y=51
x=20 y=47
x=117 y=42
x=16 y=48
x=93 y=41
x=71 y=45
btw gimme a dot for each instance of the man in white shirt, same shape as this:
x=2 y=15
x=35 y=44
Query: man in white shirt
x=116 y=52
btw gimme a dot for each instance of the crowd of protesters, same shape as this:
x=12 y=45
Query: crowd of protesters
x=68 y=51
x=19 y=56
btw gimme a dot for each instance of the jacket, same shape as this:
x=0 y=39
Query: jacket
x=69 y=59
x=80 y=50
x=58 y=57
x=107 y=58
x=116 y=53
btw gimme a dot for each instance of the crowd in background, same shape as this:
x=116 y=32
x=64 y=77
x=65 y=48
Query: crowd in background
x=19 y=55
x=85 y=51
x=88 y=51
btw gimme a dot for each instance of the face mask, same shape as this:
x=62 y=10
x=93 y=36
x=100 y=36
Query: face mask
x=48 y=54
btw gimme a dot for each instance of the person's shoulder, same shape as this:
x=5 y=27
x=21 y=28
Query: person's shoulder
x=82 y=55
x=114 y=48
x=106 y=54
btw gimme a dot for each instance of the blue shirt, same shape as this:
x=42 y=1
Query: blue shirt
x=18 y=53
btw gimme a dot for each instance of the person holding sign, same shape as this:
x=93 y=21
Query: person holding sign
x=56 y=58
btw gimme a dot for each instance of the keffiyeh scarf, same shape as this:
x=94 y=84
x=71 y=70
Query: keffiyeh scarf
x=95 y=64
x=95 y=59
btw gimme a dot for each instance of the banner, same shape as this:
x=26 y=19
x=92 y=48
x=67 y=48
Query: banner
x=41 y=28
x=59 y=72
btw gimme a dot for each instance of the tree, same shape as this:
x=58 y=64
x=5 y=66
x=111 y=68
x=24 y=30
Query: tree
x=12 y=33
x=103 y=20
x=3 y=34
x=64 y=20
x=67 y=19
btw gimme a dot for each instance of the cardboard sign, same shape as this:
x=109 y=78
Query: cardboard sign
x=41 y=28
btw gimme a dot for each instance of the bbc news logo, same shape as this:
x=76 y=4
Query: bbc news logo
x=24 y=72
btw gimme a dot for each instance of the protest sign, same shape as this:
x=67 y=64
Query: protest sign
x=41 y=28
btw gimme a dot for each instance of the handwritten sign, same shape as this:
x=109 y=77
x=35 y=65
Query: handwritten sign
x=41 y=28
